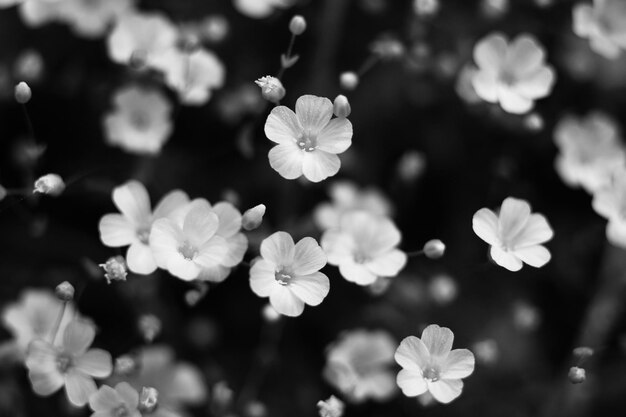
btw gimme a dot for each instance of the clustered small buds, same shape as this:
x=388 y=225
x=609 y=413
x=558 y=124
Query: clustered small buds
x=23 y=93
x=272 y=89
x=434 y=249
x=297 y=25
x=332 y=407
x=348 y=80
x=115 y=269
x=253 y=217
x=576 y=375
x=148 y=400
x=341 y=106
x=64 y=291
x=50 y=184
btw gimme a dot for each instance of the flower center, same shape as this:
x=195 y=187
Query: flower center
x=143 y=234
x=507 y=78
x=188 y=251
x=120 y=411
x=283 y=276
x=360 y=257
x=64 y=362
x=431 y=374
x=307 y=142
x=140 y=120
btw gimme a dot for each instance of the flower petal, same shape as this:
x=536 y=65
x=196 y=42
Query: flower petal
x=412 y=354
x=287 y=160
x=46 y=383
x=536 y=256
x=212 y=252
x=229 y=219
x=286 y=302
x=139 y=259
x=282 y=125
x=169 y=203
x=319 y=165
x=200 y=225
x=79 y=387
x=78 y=336
x=105 y=399
x=183 y=268
x=336 y=136
x=338 y=246
x=308 y=257
x=524 y=56
x=489 y=52
x=262 y=278
x=313 y=112
x=514 y=214
x=387 y=264
x=616 y=233
x=505 y=259
x=128 y=394
x=411 y=382
x=486 y=85
x=279 y=249
x=356 y=273
x=116 y=230
x=445 y=390
x=459 y=364
x=236 y=249
x=485 y=225
x=535 y=85
x=95 y=362
x=536 y=231
x=438 y=340
x=512 y=102
x=165 y=237
x=312 y=288
x=133 y=201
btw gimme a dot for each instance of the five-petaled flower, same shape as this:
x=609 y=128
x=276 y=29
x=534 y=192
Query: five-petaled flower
x=123 y=400
x=430 y=364
x=604 y=24
x=515 y=235
x=308 y=140
x=289 y=274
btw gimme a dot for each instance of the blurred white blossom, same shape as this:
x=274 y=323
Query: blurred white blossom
x=259 y=9
x=604 y=24
x=609 y=202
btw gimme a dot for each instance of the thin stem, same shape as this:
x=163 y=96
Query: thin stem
x=369 y=63
x=283 y=68
x=415 y=253
x=57 y=323
x=29 y=122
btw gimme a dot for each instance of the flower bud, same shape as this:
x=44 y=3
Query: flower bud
x=297 y=25
x=576 y=375
x=349 y=80
x=64 y=291
x=148 y=400
x=149 y=326
x=252 y=218
x=115 y=269
x=341 y=106
x=272 y=89
x=23 y=93
x=434 y=249
x=50 y=184
x=125 y=365
x=332 y=407
x=269 y=314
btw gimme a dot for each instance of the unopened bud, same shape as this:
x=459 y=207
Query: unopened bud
x=349 y=80
x=125 y=365
x=332 y=407
x=270 y=314
x=114 y=269
x=148 y=400
x=576 y=375
x=149 y=326
x=434 y=249
x=23 y=93
x=50 y=184
x=297 y=25
x=583 y=352
x=272 y=89
x=252 y=218
x=65 y=291
x=341 y=106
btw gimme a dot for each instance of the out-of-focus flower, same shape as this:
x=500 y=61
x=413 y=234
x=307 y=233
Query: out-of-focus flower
x=123 y=400
x=50 y=184
x=487 y=351
x=364 y=247
x=348 y=80
x=347 y=197
x=515 y=235
x=590 y=150
x=443 y=289
x=114 y=269
x=253 y=217
x=526 y=316
x=132 y=227
x=140 y=122
x=332 y=407
x=92 y=18
x=426 y=7
x=259 y=9
x=142 y=38
x=610 y=203
x=513 y=74
x=308 y=141
x=604 y=24
x=359 y=365
x=411 y=166
x=29 y=66
x=289 y=274
x=464 y=84
x=149 y=326
x=494 y=8
x=35 y=315
x=71 y=364
x=272 y=89
x=430 y=364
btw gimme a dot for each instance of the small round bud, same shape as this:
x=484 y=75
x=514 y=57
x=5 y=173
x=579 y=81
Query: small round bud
x=23 y=93
x=272 y=89
x=348 y=80
x=50 y=184
x=411 y=165
x=114 y=269
x=576 y=375
x=252 y=218
x=125 y=365
x=341 y=106
x=269 y=314
x=426 y=7
x=583 y=352
x=332 y=407
x=149 y=326
x=297 y=25
x=434 y=249
x=148 y=400
x=64 y=291
x=443 y=289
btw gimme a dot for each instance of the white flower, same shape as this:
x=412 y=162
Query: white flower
x=308 y=140
x=430 y=364
x=289 y=274
x=193 y=75
x=364 y=247
x=610 y=202
x=34 y=316
x=140 y=122
x=92 y=18
x=359 y=365
x=188 y=245
x=515 y=235
x=512 y=74
x=604 y=24
x=141 y=37
x=590 y=150
x=259 y=9
x=123 y=400
x=331 y=407
x=132 y=227
x=345 y=197
x=36 y=13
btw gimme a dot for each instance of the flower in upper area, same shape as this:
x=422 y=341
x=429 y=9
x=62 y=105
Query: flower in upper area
x=345 y=197
x=609 y=202
x=359 y=365
x=430 y=365
x=590 y=150
x=140 y=122
x=308 y=140
x=289 y=274
x=515 y=235
x=364 y=247
x=185 y=247
x=132 y=227
x=34 y=316
x=259 y=9
x=123 y=400
x=71 y=364
x=92 y=18
x=604 y=24
x=513 y=74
